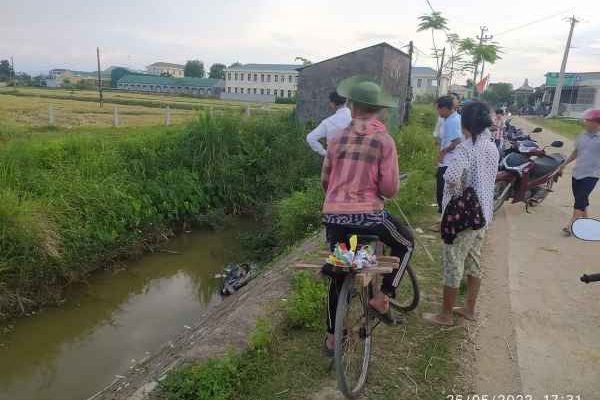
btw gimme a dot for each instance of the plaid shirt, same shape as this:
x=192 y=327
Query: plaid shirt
x=360 y=168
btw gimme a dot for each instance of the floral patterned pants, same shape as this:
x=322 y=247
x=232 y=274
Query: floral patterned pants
x=463 y=257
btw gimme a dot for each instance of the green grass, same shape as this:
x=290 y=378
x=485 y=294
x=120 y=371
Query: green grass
x=565 y=127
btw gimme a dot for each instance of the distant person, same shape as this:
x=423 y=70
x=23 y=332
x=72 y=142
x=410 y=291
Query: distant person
x=587 y=168
x=498 y=129
x=331 y=125
x=473 y=167
x=360 y=170
x=440 y=120
x=450 y=136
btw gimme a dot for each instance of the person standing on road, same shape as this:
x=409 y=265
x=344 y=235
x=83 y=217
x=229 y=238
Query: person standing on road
x=587 y=167
x=498 y=129
x=440 y=120
x=331 y=125
x=450 y=136
x=474 y=165
x=359 y=171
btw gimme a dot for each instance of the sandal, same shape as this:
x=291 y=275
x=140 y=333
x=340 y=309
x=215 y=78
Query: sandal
x=566 y=232
x=385 y=317
x=327 y=352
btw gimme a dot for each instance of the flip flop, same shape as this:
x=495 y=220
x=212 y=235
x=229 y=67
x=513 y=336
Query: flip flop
x=566 y=232
x=460 y=311
x=431 y=319
x=385 y=317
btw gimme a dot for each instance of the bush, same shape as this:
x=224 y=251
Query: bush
x=300 y=214
x=306 y=303
x=213 y=379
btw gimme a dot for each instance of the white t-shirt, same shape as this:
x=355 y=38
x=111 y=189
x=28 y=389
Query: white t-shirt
x=328 y=128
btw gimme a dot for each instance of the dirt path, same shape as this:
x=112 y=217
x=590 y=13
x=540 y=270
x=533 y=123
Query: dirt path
x=553 y=320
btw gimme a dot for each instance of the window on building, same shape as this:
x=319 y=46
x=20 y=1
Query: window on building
x=262 y=92
x=255 y=77
x=276 y=78
x=419 y=82
x=229 y=90
x=281 y=94
x=290 y=94
x=242 y=90
x=254 y=90
x=275 y=92
x=268 y=92
x=235 y=76
x=586 y=95
x=433 y=83
x=236 y=90
x=262 y=77
x=229 y=76
x=269 y=78
x=249 y=77
x=241 y=77
x=291 y=78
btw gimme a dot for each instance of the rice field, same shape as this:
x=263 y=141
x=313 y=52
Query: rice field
x=29 y=108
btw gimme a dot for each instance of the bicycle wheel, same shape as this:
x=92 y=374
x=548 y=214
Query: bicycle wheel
x=407 y=292
x=352 y=338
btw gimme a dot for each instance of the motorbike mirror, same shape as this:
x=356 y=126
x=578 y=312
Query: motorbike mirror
x=537 y=130
x=587 y=229
x=557 y=143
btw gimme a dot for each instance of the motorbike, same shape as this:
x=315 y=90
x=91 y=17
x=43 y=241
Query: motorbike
x=587 y=229
x=526 y=173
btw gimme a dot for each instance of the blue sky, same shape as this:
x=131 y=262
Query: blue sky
x=43 y=35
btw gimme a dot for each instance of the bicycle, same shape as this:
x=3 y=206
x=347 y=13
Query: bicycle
x=355 y=323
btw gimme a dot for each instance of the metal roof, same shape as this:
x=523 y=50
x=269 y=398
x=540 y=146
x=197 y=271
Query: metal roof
x=423 y=71
x=266 y=67
x=168 y=81
x=168 y=65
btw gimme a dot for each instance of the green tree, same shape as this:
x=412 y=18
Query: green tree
x=305 y=61
x=194 y=69
x=235 y=64
x=217 y=71
x=480 y=53
x=117 y=74
x=6 y=71
x=433 y=22
x=499 y=94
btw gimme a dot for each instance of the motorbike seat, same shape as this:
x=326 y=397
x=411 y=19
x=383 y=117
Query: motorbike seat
x=546 y=164
x=515 y=160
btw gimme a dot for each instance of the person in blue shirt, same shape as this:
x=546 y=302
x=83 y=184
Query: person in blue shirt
x=450 y=136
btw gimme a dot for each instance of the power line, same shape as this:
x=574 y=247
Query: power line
x=537 y=21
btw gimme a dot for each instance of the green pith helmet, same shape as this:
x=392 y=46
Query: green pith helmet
x=361 y=89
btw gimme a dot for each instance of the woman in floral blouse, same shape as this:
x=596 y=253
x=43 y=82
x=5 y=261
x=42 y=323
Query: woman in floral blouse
x=475 y=165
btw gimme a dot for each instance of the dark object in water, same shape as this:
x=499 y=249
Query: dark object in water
x=236 y=276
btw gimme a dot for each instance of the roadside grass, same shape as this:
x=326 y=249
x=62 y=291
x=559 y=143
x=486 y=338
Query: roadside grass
x=566 y=127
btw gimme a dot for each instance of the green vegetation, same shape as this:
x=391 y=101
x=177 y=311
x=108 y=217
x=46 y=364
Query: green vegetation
x=567 y=127
x=72 y=202
x=411 y=361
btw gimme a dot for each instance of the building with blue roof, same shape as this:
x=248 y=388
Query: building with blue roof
x=168 y=85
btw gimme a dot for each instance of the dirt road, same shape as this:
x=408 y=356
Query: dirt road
x=539 y=329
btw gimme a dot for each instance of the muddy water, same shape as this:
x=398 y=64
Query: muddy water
x=71 y=352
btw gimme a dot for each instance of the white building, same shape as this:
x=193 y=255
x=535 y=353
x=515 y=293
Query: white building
x=261 y=82
x=163 y=68
x=424 y=82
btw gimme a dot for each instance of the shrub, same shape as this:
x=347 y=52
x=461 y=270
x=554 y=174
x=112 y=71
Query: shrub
x=300 y=214
x=306 y=303
x=213 y=379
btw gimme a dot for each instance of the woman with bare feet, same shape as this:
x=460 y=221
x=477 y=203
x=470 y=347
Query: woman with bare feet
x=474 y=165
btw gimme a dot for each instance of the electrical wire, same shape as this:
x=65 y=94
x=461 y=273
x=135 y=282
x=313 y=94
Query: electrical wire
x=537 y=21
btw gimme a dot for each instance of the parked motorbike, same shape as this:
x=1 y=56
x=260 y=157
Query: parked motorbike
x=587 y=229
x=526 y=173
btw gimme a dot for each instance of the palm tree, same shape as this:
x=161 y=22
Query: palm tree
x=434 y=22
x=480 y=53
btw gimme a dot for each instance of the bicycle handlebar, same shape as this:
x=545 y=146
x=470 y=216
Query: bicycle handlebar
x=590 y=278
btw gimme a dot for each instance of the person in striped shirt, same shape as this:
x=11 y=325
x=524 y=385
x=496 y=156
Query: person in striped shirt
x=360 y=170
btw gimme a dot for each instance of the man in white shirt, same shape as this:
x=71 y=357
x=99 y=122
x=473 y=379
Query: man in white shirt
x=330 y=126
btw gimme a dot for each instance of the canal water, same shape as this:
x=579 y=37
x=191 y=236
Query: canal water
x=117 y=318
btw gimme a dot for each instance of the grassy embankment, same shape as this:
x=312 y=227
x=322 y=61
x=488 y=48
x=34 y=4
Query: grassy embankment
x=567 y=127
x=72 y=202
x=284 y=361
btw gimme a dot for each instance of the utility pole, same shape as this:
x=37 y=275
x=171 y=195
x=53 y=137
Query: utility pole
x=483 y=37
x=409 y=87
x=563 y=66
x=439 y=73
x=99 y=76
x=12 y=68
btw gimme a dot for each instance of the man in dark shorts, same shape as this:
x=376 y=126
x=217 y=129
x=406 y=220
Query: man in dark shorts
x=587 y=169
